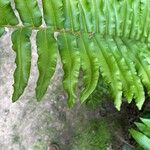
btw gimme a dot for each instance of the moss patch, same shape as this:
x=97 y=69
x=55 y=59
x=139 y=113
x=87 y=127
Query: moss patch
x=95 y=136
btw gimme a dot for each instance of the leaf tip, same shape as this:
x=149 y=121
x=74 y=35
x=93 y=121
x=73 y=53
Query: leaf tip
x=139 y=105
x=14 y=98
x=38 y=97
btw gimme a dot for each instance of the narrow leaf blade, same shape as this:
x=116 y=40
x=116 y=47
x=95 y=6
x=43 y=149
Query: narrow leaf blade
x=146 y=121
x=53 y=13
x=22 y=48
x=7 y=16
x=90 y=65
x=29 y=12
x=70 y=58
x=143 y=140
x=109 y=72
x=71 y=13
x=47 y=52
x=143 y=128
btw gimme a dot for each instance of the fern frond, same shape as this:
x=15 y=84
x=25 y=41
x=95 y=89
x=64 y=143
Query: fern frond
x=29 y=12
x=71 y=13
x=70 y=57
x=109 y=69
x=7 y=16
x=53 y=13
x=143 y=128
x=143 y=140
x=85 y=17
x=47 y=52
x=125 y=73
x=133 y=79
x=89 y=64
x=142 y=137
x=22 y=48
x=107 y=35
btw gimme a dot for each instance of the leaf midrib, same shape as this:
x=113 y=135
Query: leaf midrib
x=75 y=33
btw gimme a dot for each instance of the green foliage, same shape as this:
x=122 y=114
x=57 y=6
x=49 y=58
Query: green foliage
x=71 y=64
x=29 y=12
x=2 y=30
x=95 y=136
x=47 y=52
x=7 y=16
x=107 y=35
x=143 y=135
x=22 y=47
x=89 y=65
x=99 y=95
